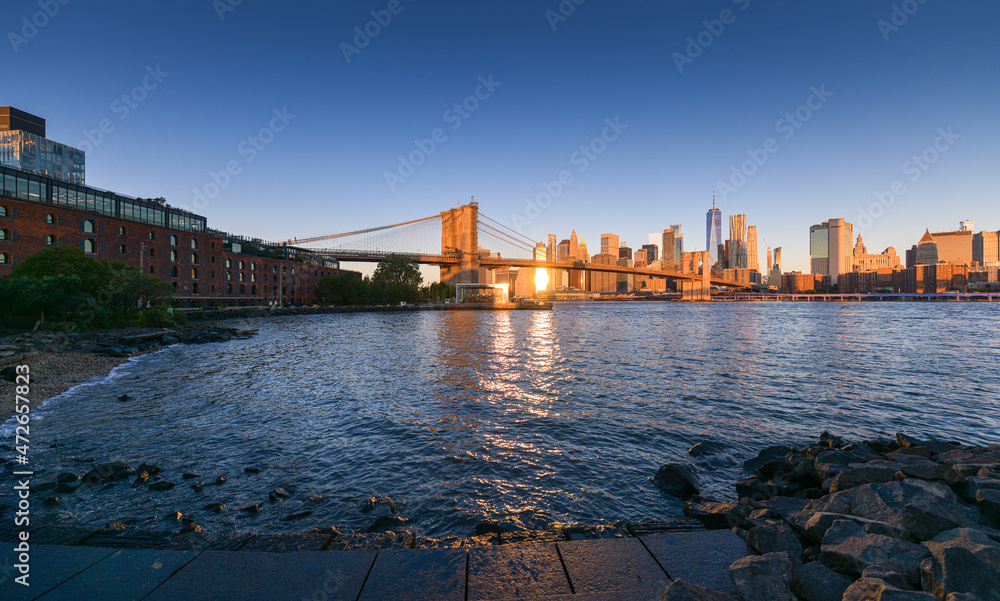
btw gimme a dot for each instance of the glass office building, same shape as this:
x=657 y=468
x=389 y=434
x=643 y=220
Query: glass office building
x=23 y=146
x=713 y=232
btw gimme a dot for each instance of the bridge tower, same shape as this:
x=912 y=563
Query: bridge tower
x=698 y=290
x=459 y=236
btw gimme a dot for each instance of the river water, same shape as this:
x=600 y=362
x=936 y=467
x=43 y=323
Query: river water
x=522 y=417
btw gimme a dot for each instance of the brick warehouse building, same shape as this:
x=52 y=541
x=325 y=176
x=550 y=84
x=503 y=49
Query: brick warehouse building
x=206 y=267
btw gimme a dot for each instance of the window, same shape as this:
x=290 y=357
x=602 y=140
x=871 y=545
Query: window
x=4 y=234
x=212 y=275
x=50 y=240
x=152 y=252
x=243 y=289
x=50 y=218
x=4 y=211
x=228 y=263
x=239 y=265
x=239 y=276
x=229 y=276
x=152 y=269
x=229 y=288
x=213 y=248
x=173 y=240
x=123 y=249
x=194 y=243
x=213 y=287
x=253 y=290
x=177 y=287
x=253 y=277
x=152 y=235
x=253 y=267
x=173 y=255
x=194 y=257
x=194 y=274
x=4 y=259
x=213 y=258
x=175 y=272
x=195 y=289
x=89 y=246
x=121 y=230
x=88 y=227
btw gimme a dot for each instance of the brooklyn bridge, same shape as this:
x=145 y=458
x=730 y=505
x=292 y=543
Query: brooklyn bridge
x=462 y=241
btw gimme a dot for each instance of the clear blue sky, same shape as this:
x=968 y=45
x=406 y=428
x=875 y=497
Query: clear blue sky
x=892 y=89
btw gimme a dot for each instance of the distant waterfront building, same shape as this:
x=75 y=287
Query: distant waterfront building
x=640 y=258
x=738 y=254
x=603 y=281
x=954 y=247
x=23 y=146
x=655 y=239
x=752 y=261
x=769 y=259
x=669 y=257
x=652 y=253
x=967 y=225
x=774 y=272
x=926 y=252
x=830 y=248
x=713 y=231
x=862 y=261
x=625 y=252
x=609 y=244
x=678 y=240
x=986 y=249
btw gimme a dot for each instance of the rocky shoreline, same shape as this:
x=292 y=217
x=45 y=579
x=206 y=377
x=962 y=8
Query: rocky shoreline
x=900 y=520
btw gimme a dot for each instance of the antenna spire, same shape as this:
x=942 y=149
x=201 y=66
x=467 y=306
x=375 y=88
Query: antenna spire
x=713 y=198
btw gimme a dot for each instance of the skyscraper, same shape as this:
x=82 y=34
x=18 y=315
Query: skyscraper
x=668 y=259
x=678 y=241
x=752 y=262
x=713 y=231
x=738 y=257
x=609 y=244
x=831 y=247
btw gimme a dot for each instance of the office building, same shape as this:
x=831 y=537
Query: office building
x=652 y=252
x=668 y=260
x=678 y=240
x=926 y=251
x=603 y=281
x=831 y=248
x=752 y=262
x=713 y=231
x=954 y=247
x=738 y=253
x=967 y=225
x=862 y=261
x=23 y=146
x=986 y=249
x=609 y=244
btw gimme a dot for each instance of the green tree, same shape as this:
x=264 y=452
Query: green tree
x=341 y=290
x=67 y=261
x=130 y=290
x=396 y=279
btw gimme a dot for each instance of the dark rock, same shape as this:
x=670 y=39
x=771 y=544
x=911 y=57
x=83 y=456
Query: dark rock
x=190 y=476
x=936 y=446
x=252 y=470
x=767 y=454
x=162 y=485
x=488 y=528
x=888 y=576
x=252 y=508
x=805 y=472
x=924 y=452
x=679 y=590
x=763 y=577
x=325 y=530
x=125 y=397
x=192 y=527
x=173 y=516
x=829 y=440
x=963 y=597
x=221 y=480
x=926 y=469
x=819 y=523
x=755 y=488
x=926 y=520
x=297 y=515
x=9 y=374
x=962 y=561
x=198 y=486
x=149 y=468
x=775 y=466
x=956 y=456
x=816 y=582
x=873 y=589
x=385 y=522
x=677 y=480
x=861 y=475
x=706 y=448
x=67 y=487
x=116 y=526
x=278 y=494
x=107 y=472
x=776 y=538
x=853 y=555
x=714 y=515
x=882 y=445
x=216 y=507
x=51 y=502
x=140 y=478
x=987 y=499
x=65 y=477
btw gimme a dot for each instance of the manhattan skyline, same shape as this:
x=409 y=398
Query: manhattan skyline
x=835 y=106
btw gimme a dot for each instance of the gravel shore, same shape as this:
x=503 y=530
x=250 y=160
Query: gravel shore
x=53 y=374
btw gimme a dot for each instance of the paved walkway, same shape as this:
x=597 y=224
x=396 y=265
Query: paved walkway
x=631 y=568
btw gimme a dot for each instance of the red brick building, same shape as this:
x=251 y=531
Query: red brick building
x=206 y=267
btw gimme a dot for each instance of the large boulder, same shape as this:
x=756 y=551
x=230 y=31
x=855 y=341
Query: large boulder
x=107 y=472
x=819 y=523
x=862 y=474
x=873 y=589
x=962 y=561
x=765 y=455
x=714 y=515
x=706 y=448
x=816 y=582
x=677 y=480
x=763 y=577
x=853 y=554
x=680 y=590
x=776 y=538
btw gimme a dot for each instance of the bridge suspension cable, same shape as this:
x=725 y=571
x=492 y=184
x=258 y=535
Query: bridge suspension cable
x=359 y=232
